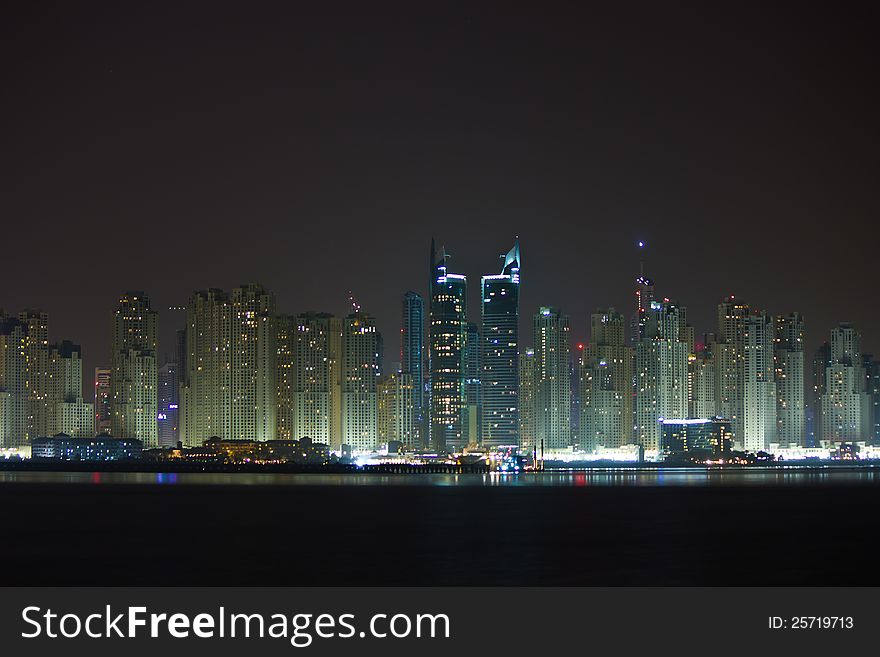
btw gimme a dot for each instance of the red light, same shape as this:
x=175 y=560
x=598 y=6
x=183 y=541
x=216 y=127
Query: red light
x=580 y=346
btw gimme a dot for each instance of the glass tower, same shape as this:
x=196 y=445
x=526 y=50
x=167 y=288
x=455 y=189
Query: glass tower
x=500 y=354
x=412 y=358
x=448 y=335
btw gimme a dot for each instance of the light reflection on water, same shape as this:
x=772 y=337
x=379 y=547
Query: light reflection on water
x=595 y=477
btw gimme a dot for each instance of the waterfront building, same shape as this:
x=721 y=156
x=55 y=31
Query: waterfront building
x=709 y=436
x=552 y=382
x=14 y=406
x=528 y=441
x=473 y=388
x=133 y=379
x=103 y=417
x=661 y=372
x=789 y=375
x=606 y=383
x=309 y=378
x=412 y=359
x=843 y=403
x=360 y=371
x=229 y=389
x=96 y=448
x=500 y=354
x=447 y=341
x=395 y=414
x=169 y=405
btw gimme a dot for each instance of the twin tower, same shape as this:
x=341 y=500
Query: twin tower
x=473 y=389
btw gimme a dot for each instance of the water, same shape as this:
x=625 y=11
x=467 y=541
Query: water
x=758 y=526
x=753 y=476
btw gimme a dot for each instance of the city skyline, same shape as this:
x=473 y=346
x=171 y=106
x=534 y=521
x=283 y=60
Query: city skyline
x=172 y=317
x=250 y=372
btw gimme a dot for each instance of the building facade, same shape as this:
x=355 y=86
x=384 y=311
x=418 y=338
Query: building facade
x=789 y=374
x=661 y=372
x=169 y=405
x=606 y=383
x=413 y=354
x=395 y=414
x=360 y=372
x=500 y=354
x=229 y=390
x=552 y=382
x=447 y=342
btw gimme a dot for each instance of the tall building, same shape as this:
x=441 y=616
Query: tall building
x=745 y=374
x=68 y=413
x=844 y=404
x=133 y=379
x=472 y=386
x=395 y=409
x=758 y=411
x=41 y=410
x=606 y=383
x=103 y=416
x=552 y=379
x=701 y=373
x=412 y=358
x=169 y=405
x=661 y=372
x=447 y=340
x=14 y=404
x=360 y=371
x=309 y=393
x=789 y=365
x=727 y=352
x=500 y=353
x=229 y=389
x=872 y=389
x=527 y=438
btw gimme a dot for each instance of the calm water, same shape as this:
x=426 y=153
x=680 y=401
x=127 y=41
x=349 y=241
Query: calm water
x=759 y=526
x=771 y=476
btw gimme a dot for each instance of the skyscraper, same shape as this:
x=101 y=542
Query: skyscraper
x=360 y=370
x=758 y=423
x=872 y=389
x=169 y=405
x=606 y=388
x=412 y=358
x=309 y=352
x=133 y=380
x=395 y=416
x=447 y=335
x=500 y=353
x=527 y=438
x=68 y=413
x=701 y=373
x=789 y=366
x=661 y=372
x=472 y=385
x=746 y=375
x=14 y=404
x=103 y=417
x=552 y=379
x=41 y=409
x=844 y=404
x=229 y=389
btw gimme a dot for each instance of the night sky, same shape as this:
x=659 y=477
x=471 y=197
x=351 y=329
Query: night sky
x=317 y=147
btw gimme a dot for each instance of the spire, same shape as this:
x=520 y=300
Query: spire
x=512 y=260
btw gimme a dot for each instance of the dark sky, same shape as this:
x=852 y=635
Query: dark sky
x=316 y=148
